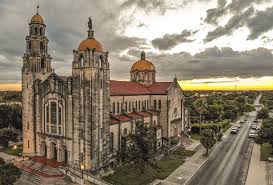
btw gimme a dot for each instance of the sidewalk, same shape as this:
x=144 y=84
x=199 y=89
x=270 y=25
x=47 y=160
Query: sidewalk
x=7 y=157
x=184 y=172
x=257 y=169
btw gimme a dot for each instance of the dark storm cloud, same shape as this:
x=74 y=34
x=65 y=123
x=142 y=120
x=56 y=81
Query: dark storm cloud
x=260 y=23
x=214 y=13
x=212 y=62
x=234 y=23
x=168 y=41
x=160 y=5
x=235 y=7
x=66 y=23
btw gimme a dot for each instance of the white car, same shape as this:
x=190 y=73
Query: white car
x=254 y=126
x=234 y=130
x=238 y=126
x=252 y=134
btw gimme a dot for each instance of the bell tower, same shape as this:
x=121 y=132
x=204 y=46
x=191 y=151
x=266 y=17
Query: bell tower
x=36 y=65
x=91 y=100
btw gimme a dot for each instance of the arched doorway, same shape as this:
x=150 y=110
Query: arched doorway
x=64 y=154
x=43 y=149
x=53 y=151
x=175 y=131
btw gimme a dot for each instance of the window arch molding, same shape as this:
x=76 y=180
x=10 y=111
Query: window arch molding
x=54 y=117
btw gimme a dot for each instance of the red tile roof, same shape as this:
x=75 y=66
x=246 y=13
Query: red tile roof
x=117 y=118
x=114 y=121
x=144 y=114
x=122 y=117
x=134 y=88
x=134 y=115
x=159 y=87
x=153 y=112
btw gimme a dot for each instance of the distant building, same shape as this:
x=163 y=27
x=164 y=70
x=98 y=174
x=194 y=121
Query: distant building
x=82 y=118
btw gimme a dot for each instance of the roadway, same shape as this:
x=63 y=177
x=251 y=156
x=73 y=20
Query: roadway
x=228 y=165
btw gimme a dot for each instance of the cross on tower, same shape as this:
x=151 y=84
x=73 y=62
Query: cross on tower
x=37 y=7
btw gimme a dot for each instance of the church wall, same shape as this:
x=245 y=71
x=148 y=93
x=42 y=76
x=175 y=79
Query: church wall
x=123 y=99
x=114 y=128
x=175 y=112
x=163 y=119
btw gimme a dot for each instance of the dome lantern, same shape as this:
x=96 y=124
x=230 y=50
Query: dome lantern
x=90 y=42
x=37 y=19
x=143 y=71
x=142 y=56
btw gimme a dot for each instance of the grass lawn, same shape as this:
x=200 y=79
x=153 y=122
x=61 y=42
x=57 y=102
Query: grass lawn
x=226 y=128
x=126 y=175
x=10 y=151
x=266 y=150
x=195 y=136
x=182 y=152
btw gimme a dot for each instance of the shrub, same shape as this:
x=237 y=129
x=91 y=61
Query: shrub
x=174 y=141
x=216 y=127
x=219 y=136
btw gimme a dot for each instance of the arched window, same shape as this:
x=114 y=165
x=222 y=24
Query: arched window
x=53 y=118
x=111 y=142
x=42 y=62
x=42 y=47
x=114 y=108
x=36 y=30
x=118 y=108
x=41 y=31
x=100 y=62
x=29 y=45
x=125 y=131
x=81 y=61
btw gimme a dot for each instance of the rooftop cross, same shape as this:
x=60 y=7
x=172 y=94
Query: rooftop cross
x=37 y=7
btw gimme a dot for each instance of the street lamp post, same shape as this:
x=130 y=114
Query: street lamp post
x=82 y=168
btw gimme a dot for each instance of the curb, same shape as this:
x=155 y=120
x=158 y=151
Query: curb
x=211 y=155
x=204 y=162
x=224 y=136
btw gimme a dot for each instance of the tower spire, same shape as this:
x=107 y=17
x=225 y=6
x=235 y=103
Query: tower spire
x=37 y=7
x=142 y=55
x=90 y=30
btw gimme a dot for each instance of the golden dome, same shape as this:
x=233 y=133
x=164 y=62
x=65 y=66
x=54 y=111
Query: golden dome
x=37 y=19
x=143 y=64
x=90 y=43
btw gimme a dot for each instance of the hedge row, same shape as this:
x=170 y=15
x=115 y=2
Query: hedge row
x=214 y=126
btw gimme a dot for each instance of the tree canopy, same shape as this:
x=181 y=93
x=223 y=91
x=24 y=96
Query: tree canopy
x=9 y=173
x=142 y=145
x=265 y=134
x=8 y=134
x=208 y=139
x=263 y=114
x=11 y=115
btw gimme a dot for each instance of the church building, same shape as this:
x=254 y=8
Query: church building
x=82 y=118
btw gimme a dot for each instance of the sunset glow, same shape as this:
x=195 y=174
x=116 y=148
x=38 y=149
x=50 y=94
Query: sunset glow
x=263 y=83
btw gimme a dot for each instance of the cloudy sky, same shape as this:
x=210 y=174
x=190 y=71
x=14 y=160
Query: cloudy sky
x=191 y=39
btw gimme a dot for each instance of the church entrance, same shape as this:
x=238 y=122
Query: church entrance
x=64 y=154
x=53 y=151
x=43 y=149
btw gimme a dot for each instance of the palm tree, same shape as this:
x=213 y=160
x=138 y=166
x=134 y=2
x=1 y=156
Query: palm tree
x=200 y=106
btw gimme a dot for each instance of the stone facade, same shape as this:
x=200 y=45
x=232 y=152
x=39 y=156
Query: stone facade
x=80 y=119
